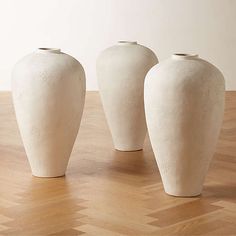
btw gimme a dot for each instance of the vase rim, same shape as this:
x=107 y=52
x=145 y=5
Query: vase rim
x=49 y=50
x=184 y=56
x=127 y=42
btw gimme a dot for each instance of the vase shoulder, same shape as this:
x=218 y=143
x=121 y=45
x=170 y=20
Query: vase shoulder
x=43 y=64
x=127 y=53
x=189 y=70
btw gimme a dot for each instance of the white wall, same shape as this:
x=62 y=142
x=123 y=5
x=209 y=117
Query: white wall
x=83 y=28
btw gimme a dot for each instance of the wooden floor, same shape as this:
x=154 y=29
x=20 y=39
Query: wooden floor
x=106 y=192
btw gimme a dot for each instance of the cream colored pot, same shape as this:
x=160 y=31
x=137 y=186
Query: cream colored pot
x=48 y=89
x=121 y=70
x=184 y=104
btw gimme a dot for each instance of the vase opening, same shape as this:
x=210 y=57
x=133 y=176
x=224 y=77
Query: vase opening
x=49 y=50
x=123 y=42
x=184 y=56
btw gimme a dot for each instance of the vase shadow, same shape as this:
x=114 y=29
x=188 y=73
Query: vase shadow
x=220 y=191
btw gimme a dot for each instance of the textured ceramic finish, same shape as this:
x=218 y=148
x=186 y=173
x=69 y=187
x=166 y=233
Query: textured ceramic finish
x=121 y=70
x=48 y=89
x=184 y=104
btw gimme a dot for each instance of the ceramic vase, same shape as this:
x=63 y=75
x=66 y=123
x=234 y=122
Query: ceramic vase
x=184 y=104
x=48 y=89
x=121 y=70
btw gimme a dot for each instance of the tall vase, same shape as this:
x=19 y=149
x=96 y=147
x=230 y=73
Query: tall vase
x=48 y=89
x=184 y=104
x=121 y=70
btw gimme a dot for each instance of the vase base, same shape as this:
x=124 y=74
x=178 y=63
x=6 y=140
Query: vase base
x=183 y=195
x=48 y=176
x=135 y=150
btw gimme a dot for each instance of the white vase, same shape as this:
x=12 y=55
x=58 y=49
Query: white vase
x=184 y=104
x=48 y=89
x=121 y=70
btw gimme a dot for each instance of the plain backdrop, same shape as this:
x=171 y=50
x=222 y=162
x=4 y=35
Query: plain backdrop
x=83 y=28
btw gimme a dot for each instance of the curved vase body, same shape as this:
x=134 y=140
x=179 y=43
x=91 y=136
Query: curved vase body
x=121 y=70
x=48 y=89
x=184 y=104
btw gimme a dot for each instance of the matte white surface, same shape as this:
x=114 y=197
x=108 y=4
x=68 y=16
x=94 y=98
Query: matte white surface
x=121 y=70
x=184 y=105
x=48 y=90
x=83 y=28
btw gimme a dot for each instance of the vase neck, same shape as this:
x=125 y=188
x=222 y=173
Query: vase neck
x=184 y=56
x=49 y=50
x=123 y=42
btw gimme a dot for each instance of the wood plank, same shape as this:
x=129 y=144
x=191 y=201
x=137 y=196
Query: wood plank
x=107 y=192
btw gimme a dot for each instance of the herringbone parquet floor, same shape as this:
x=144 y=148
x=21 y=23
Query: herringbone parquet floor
x=106 y=192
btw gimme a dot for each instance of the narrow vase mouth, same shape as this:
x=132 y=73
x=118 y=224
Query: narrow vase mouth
x=49 y=50
x=184 y=56
x=124 y=42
